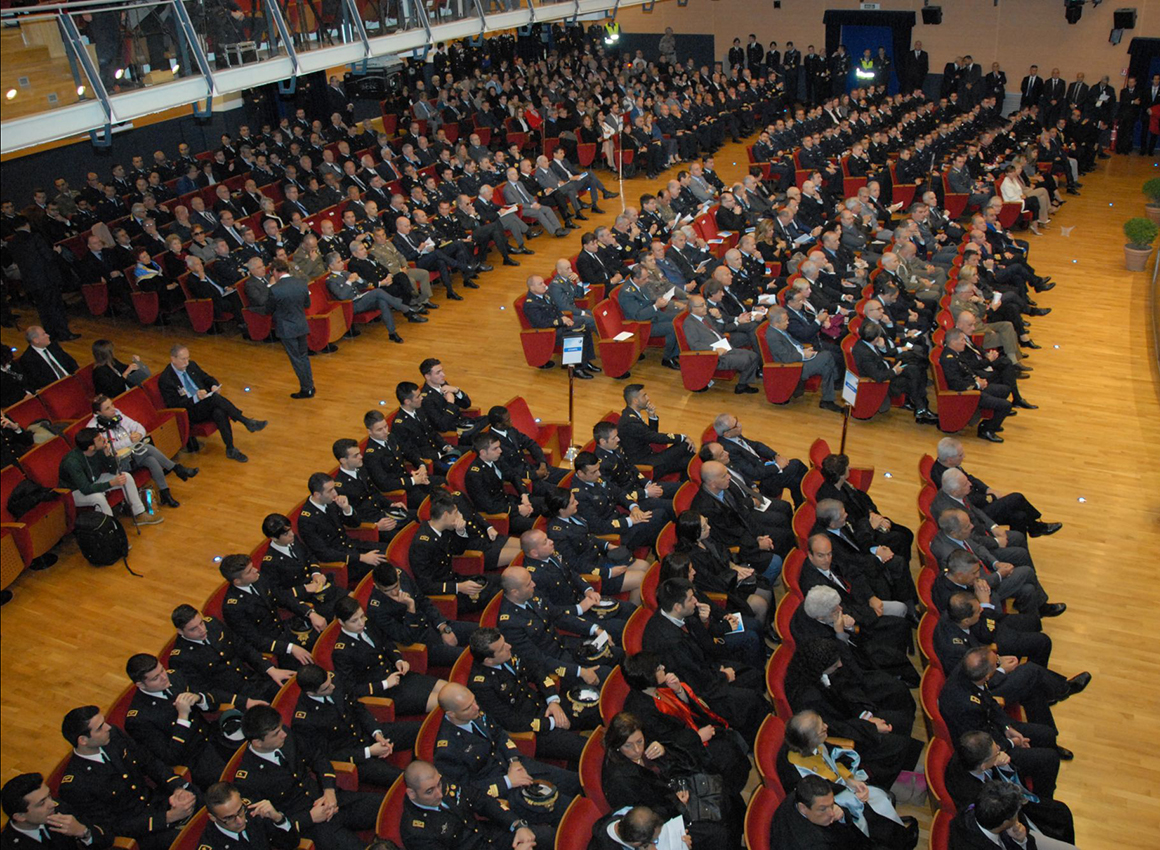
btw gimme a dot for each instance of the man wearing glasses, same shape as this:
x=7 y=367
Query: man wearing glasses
x=236 y=826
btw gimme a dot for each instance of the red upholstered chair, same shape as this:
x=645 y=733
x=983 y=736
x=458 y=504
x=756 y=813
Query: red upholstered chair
x=539 y=343
x=775 y=680
x=258 y=325
x=575 y=828
x=955 y=409
x=926 y=533
x=780 y=379
x=926 y=579
x=66 y=400
x=940 y=830
x=791 y=570
x=616 y=356
x=489 y=618
x=188 y=429
x=683 y=499
x=634 y=630
x=555 y=438
x=585 y=153
x=925 y=500
x=391 y=813
x=758 y=815
x=666 y=540
x=925 y=464
x=36 y=532
x=803 y=524
x=648 y=586
x=163 y=426
x=929 y=689
x=938 y=756
x=698 y=368
x=642 y=329
x=871 y=394
x=811 y=483
x=926 y=638
x=30 y=409
x=954 y=203
x=326 y=321
x=783 y=614
x=591 y=764
x=860 y=476
x=612 y=695
x=765 y=748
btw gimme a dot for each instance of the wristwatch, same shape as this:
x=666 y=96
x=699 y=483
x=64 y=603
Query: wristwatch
x=445 y=629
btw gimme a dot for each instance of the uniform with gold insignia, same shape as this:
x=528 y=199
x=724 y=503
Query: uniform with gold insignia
x=424 y=626
x=485 y=485
x=432 y=561
x=387 y=465
x=456 y=824
x=533 y=630
x=292 y=571
x=622 y=473
x=447 y=415
x=587 y=552
x=522 y=455
x=365 y=661
x=369 y=504
x=259 y=834
x=252 y=614
x=324 y=533
x=480 y=757
x=100 y=837
x=222 y=664
x=597 y=501
x=559 y=583
x=639 y=431
x=117 y=793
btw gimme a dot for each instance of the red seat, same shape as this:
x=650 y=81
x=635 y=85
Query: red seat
x=634 y=630
x=196 y=429
x=199 y=310
x=940 y=831
x=258 y=325
x=924 y=585
x=36 y=532
x=648 y=586
x=66 y=400
x=617 y=357
x=758 y=815
x=859 y=476
x=591 y=768
x=666 y=540
x=925 y=465
x=925 y=500
x=775 y=680
x=780 y=379
x=871 y=394
x=585 y=153
x=791 y=570
x=803 y=524
x=575 y=828
x=554 y=438
x=698 y=368
x=938 y=756
x=163 y=426
x=212 y=607
x=539 y=343
x=398 y=553
x=925 y=638
x=955 y=409
x=391 y=812
x=766 y=746
x=612 y=695
x=326 y=321
x=683 y=499
x=811 y=483
x=783 y=615
x=929 y=690
x=642 y=329
x=30 y=409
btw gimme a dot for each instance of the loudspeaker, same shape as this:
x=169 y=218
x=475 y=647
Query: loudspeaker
x=932 y=14
x=1124 y=19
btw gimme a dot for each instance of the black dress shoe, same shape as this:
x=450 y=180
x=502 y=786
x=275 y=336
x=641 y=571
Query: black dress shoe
x=394 y=337
x=528 y=251
x=1043 y=287
x=1026 y=405
x=608 y=195
x=416 y=319
x=68 y=337
x=1039 y=311
x=597 y=211
x=254 y=425
x=1064 y=753
x=470 y=284
x=1052 y=609
x=582 y=375
x=430 y=305
x=925 y=417
x=185 y=472
x=508 y=261
x=1029 y=343
x=484 y=267
x=170 y=502
x=989 y=436
x=580 y=217
x=572 y=226
x=43 y=562
x=560 y=233
x=354 y=331
x=1043 y=529
x=550 y=364
x=829 y=405
x=1075 y=684
x=591 y=367
x=303 y=394
x=742 y=389
x=671 y=363
x=454 y=296
x=1072 y=191
x=233 y=454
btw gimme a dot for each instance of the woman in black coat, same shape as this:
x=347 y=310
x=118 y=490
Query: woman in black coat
x=637 y=773
x=860 y=508
x=746 y=591
x=111 y=377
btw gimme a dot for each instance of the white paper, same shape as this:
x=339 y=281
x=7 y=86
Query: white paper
x=721 y=345
x=740 y=627
x=715 y=241
x=624 y=336
x=669 y=295
x=601 y=639
x=508 y=210
x=767 y=299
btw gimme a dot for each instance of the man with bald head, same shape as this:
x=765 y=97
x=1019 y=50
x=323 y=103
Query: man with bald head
x=442 y=815
x=472 y=750
x=542 y=312
x=533 y=625
x=735 y=521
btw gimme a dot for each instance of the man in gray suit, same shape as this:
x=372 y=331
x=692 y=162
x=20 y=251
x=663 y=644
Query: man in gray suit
x=637 y=307
x=856 y=240
x=701 y=335
x=783 y=348
x=289 y=299
x=565 y=289
x=257 y=286
x=700 y=187
x=515 y=193
x=551 y=182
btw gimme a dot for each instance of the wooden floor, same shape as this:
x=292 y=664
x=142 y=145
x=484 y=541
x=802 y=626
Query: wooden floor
x=1096 y=436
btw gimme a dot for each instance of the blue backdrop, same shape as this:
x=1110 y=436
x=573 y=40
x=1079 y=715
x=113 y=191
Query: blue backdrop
x=857 y=38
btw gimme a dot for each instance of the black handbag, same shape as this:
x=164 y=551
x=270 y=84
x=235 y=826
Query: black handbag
x=706 y=796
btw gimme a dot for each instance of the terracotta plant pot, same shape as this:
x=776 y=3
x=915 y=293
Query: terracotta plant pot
x=1135 y=259
x=1153 y=212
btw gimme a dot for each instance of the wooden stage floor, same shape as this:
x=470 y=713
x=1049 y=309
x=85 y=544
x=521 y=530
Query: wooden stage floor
x=1096 y=437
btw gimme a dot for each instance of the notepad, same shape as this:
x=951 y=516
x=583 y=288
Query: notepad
x=721 y=345
x=623 y=336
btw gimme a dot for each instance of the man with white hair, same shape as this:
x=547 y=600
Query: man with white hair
x=1010 y=509
x=704 y=333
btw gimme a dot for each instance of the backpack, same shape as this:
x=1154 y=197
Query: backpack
x=27 y=495
x=101 y=538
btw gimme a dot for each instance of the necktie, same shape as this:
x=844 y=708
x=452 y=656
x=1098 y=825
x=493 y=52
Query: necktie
x=42 y=835
x=190 y=386
x=278 y=757
x=57 y=369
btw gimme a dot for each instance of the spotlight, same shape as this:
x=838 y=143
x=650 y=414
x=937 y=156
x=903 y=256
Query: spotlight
x=11 y=93
x=1073 y=10
x=80 y=91
x=217 y=559
x=120 y=72
x=887 y=475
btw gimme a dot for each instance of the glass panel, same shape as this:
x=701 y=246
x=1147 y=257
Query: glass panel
x=39 y=72
x=234 y=33
x=446 y=11
x=319 y=23
x=383 y=17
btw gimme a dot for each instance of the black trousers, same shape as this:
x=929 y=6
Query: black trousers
x=487 y=234
x=221 y=411
x=1038 y=763
x=774 y=480
x=299 y=355
x=994 y=398
x=1013 y=510
x=357 y=810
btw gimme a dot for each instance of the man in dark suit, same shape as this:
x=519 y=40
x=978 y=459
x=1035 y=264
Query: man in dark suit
x=111 y=780
x=422 y=253
x=995 y=820
x=758 y=462
x=916 y=66
x=235 y=824
x=1151 y=99
x=1031 y=88
x=1053 y=100
x=995 y=85
x=959 y=377
x=290 y=298
x=300 y=783
x=763 y=538
x=638 y=430
x=1127 y=114
x=970 y=87
x=209 y=658
x=675 y=632
x=36 y=820
x=40 y=276
x=43 y=361
x=1077 y=93
x=978 y=761
x=907 y=377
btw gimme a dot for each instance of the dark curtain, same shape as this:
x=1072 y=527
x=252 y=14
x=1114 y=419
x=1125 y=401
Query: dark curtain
x=1144 y=52
x=900 y=24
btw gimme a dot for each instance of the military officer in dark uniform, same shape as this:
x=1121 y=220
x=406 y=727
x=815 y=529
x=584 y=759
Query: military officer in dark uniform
x=404 y=614
x=391 y=468
x=328 y=715
x=533 y=627
x=251 y=611
x=107 y=779
x=205 y=652
x=638 y=430
x=431 y=555
x=36 y=820
x=447 y=406
x=237 y=824
x=167 y=718
x=487 y=483
x=542 y=313
x=373 y=665
x=966 y=704
x=522 y=697
x=521 y=454
x=442 y=815
x=617 y=470
x=324 y=521
x=300 y=784
x=354 y=482
x=560 y=583
x=292 y=570
x=598 y=502
x=619 y=571
x=416 y=434
x=472 y=748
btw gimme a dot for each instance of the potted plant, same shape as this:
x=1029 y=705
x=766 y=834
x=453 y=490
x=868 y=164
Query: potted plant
x=1152 y=193
x=1141 y=233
